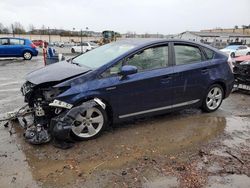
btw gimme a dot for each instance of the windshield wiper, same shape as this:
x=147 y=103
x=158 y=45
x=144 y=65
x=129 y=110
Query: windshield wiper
x=75 y=63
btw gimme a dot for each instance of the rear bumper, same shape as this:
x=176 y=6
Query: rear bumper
x=229 y=87
x=35 y=52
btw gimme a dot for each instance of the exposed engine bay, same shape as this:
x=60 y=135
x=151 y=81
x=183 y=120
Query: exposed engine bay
x=52 y=119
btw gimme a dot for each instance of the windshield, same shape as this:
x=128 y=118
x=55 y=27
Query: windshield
x=102 y=55
x=233 y=47
x=93 y=44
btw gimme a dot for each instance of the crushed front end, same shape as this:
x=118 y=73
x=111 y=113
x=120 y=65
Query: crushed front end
x=39 y=99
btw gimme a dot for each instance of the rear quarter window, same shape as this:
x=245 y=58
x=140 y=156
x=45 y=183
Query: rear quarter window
x=209 y=53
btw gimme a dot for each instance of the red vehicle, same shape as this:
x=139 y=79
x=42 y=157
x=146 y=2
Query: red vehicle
x=38 y=43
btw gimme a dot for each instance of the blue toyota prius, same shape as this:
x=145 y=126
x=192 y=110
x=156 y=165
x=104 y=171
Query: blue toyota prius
x=127 y=79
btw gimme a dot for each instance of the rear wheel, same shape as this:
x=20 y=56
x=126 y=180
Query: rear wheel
x=248 y=53
x=213 y=98
x=90 y=123
x=232 y=55
x=73 y=50
x=27 y=55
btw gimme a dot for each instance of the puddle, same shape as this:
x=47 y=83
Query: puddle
x=158 y=136
x=239 y=130
x=163 y=182
x=231 y=181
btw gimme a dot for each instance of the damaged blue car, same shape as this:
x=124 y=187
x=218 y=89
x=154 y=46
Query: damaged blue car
x=123 y=80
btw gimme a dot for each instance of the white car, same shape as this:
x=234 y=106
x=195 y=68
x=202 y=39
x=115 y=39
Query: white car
x=236 y=50
x=83 y=47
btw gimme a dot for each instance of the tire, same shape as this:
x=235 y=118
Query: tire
x=27 y=55
x=73 y=50
x=213 y=99
x=232 y=55
x=248 y=53
x=85 y=128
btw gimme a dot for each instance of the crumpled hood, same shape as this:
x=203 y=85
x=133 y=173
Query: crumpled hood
x=55 y=72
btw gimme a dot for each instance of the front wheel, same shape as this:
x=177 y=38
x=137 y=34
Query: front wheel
x=27 y=56
x=248 y=53
x=232 y=55
x=213 y=98
x=90 y=123
x=73 y=50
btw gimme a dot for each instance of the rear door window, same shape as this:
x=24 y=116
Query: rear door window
x=186 y=54
x=16 y=42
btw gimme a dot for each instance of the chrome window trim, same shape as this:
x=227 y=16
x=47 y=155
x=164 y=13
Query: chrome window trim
x=161 y=108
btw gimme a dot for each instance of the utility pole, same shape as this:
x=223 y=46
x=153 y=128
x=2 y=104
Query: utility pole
x=81 y=42
x=13 y=32
x=87 y=32
x=49 y=34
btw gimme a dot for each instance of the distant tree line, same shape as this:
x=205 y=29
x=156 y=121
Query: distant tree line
x=18 y=28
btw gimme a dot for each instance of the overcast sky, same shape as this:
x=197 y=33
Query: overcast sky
x=141 y=16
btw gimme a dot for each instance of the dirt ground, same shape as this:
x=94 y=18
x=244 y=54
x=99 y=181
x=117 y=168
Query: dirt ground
x=181 y=149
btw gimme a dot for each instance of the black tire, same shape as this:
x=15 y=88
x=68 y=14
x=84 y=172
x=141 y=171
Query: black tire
x=27 y=55
x=232 y=55
x=248 y=53
x=73 y=50
x=105 y=123
x=207 y=99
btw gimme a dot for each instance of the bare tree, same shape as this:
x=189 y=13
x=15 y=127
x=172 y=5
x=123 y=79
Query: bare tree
x=17 y=28
x=1 y=28
x=43 y=30
x=31 y=28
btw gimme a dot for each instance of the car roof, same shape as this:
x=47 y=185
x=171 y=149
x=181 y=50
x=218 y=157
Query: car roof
x=13 y=38
x=140 y=42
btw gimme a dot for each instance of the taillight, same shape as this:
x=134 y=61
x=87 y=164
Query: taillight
x=230 y=62
x=33 y=45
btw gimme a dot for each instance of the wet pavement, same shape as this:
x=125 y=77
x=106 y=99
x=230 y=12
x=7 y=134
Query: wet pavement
x=181 y=149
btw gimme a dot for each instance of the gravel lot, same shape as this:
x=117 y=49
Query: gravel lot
x=182 y=149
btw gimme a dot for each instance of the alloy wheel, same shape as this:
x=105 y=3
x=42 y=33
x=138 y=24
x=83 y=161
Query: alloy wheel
x=27 y=55
x=89 y=123
x=214 y=98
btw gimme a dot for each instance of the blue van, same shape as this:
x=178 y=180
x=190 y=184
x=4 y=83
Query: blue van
x=17 y=47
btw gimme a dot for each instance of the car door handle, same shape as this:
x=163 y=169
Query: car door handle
x=110 y=88
x=204 y=70
x=166 y=79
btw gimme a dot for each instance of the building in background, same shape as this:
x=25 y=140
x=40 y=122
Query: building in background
x=216 y=39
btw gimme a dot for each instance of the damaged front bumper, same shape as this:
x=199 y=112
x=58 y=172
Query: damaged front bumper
x=58 y=129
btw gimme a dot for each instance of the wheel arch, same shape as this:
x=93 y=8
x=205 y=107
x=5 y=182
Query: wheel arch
x=222 y=84
x=108 y=108
x=27 y=50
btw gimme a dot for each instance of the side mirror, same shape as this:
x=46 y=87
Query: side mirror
x=127 y=70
